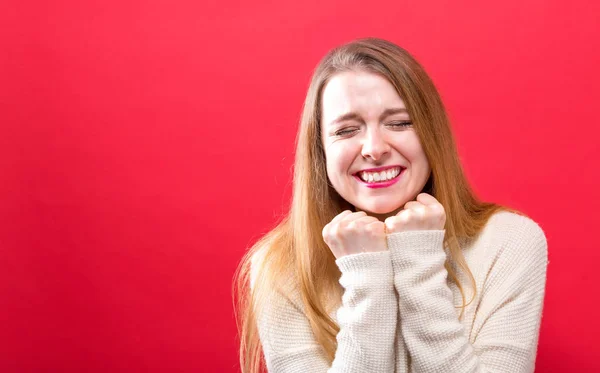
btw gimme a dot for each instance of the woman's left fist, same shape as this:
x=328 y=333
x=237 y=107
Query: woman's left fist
x=426 y=213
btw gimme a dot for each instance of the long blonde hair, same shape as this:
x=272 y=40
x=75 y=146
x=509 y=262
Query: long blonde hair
x=295 y=248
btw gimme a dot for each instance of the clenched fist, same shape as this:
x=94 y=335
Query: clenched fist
x=426 y=213
x=354 y=232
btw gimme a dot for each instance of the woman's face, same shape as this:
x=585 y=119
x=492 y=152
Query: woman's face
x=374 y=157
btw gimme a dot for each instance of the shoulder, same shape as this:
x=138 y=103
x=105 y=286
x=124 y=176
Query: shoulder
x=272 y=277
x=515 y=230
x=512 y=242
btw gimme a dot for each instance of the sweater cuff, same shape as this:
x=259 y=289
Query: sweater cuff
x=412 y=248
x=375 y=265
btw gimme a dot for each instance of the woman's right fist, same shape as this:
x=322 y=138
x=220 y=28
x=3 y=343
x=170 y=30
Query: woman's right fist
x=354 y=232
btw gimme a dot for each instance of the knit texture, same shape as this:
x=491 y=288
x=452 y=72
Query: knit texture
x=399 y=311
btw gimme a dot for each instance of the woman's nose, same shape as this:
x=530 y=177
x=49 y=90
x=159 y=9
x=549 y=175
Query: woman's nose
x=375 y=146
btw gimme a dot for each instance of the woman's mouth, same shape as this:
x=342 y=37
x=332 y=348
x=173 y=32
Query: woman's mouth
x=381 y=179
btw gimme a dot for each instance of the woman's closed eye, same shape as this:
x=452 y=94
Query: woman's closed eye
x=351 y=130
x=400 y=124
x=346 y=131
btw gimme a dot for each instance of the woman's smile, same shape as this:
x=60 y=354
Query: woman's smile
x=380 y=179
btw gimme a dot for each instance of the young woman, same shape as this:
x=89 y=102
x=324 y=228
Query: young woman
x=387 y=261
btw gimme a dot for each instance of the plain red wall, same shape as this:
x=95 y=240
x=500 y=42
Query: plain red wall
x=145 y=144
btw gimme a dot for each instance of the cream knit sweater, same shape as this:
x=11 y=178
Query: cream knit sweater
x=398 y=309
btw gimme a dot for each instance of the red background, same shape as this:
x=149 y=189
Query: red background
x=145 y=144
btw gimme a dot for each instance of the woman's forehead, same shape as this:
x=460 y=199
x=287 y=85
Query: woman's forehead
x=364 y=94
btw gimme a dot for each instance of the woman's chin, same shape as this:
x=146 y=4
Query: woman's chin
x=379 y=209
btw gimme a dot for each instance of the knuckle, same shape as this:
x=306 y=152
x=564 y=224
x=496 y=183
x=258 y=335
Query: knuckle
x=405 y=215
x=391 y=223
x=374 y=227
x=436 y=207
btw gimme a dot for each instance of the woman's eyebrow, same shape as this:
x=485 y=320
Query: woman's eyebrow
x=353 y=115
x=388 y=112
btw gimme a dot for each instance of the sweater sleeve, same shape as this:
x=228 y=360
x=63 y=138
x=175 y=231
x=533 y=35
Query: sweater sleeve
x=511 y=305
x=367 y=318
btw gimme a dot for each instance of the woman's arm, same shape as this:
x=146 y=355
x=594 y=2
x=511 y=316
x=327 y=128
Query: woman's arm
x=367 y=320
x=511 y=305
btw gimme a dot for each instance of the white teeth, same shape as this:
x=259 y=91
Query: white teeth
x=379 y=176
